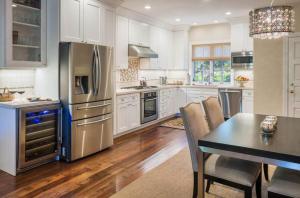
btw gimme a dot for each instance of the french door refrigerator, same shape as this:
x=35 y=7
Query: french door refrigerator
x=86 y=95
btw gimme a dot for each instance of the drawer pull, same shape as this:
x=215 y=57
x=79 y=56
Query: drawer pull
x=92 y=107
x=94 y=122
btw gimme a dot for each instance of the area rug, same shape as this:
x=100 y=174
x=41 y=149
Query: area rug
x=176 y=123
x=174 y=179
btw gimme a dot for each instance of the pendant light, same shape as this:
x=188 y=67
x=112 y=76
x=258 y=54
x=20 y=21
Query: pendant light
x=272 y=22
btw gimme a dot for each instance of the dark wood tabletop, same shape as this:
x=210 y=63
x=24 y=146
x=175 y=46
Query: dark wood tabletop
x=242 y=134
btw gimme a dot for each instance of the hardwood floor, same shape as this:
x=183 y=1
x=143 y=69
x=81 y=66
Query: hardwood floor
x=102 y=174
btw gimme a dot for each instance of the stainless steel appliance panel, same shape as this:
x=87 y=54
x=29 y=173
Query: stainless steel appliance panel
x=91 y=135
x=92 y=109
x=85 y=72
x=149 y=107
x=231 y=101
x=242 y=60
x=39 y=135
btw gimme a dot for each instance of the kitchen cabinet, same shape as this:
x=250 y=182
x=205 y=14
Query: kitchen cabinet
x=23 y=36
x=93 y=22
x=128 y=112
x=247 y=101
x=71 y=20
x=180 y=99
x=139 y=33
x=167 y=102
x=240 y=39
x=122 y=40
x=199 y=94
x=87 y=21
x=180 y=53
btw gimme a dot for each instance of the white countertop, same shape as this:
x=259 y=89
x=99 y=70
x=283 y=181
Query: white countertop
x=132 y=91
x=16 y=104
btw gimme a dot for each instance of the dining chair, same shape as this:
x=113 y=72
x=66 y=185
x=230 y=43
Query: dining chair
x=215 y=117
x=285 y=183
x=228 y=171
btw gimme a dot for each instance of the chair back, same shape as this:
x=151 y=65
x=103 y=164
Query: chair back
x=213 y=111
x=196 y=127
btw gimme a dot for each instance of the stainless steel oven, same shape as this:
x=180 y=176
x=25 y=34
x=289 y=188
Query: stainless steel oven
x=149 y=106
x=242 y=59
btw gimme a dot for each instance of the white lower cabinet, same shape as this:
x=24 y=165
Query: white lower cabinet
x=247 y=101
x=128 y=112
x=167 y=102
x=180 y=99
x=199 y=94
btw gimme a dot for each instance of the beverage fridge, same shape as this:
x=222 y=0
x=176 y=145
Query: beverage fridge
x=86 y=95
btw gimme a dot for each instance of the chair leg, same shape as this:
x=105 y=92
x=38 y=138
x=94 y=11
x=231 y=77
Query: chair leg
x=209 y=182
x=266 y=171
x=248 y=193
x=258 y=186
x=195 y=190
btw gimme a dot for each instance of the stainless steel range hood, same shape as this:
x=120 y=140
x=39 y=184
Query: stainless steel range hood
x=141 y=52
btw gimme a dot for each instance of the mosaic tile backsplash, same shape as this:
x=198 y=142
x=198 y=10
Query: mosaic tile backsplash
x=132 y=73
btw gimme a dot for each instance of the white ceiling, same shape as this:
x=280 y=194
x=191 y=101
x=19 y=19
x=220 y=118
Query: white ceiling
x=199 y=11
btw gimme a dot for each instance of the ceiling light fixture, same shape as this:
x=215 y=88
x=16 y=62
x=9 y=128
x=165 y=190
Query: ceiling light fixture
x=216 y=21
x=178 y=20
x=147 y=7
x=195 y=23
x=272 y=22
x=228 y=13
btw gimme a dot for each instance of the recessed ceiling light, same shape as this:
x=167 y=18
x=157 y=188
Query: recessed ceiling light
x=195 y=23
x=147 y=7
x=228 y=13
x=216 y=21
x=178 y=20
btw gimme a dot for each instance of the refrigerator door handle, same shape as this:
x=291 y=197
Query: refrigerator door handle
x=94 y=63
x=98 y=71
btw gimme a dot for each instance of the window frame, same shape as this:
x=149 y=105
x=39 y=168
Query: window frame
x=212 y=57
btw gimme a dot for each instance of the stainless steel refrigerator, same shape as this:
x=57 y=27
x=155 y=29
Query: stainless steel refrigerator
x=86 y=95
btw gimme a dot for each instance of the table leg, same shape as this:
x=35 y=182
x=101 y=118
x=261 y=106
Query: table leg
x=201 y=181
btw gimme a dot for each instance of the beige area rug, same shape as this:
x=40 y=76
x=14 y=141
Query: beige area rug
x=176 y=123
x=174 y=179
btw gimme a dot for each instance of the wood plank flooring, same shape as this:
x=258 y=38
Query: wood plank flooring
x=102 y=174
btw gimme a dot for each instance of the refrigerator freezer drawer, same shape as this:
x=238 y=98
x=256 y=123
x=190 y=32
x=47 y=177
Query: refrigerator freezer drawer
x=93 y=109
x=91 y=135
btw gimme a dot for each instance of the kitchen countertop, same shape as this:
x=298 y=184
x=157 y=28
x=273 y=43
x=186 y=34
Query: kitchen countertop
x=132 y=91
x=25 y=103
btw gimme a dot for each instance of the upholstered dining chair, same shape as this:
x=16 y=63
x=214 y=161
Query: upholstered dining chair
x=214 y=114
x=285 y=183
x=232 y=172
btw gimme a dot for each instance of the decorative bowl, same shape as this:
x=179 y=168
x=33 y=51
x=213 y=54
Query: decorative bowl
x=242 y=82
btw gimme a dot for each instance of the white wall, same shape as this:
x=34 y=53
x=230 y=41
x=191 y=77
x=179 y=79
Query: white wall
x=268 y=78
x=47 y=79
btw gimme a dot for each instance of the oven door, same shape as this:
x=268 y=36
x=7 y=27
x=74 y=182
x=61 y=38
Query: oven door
x=149 y=109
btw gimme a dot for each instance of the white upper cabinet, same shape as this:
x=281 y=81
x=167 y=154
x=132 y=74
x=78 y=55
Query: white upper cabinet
x=240 y=39
x=23 y=34
x=139 y=33
x=93 y=22
x=180 y=53
x=87 y=21
x=122 y=39
x=109 y=26
x=71 y=20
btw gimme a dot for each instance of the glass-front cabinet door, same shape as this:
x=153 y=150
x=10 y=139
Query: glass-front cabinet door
x=26 y=33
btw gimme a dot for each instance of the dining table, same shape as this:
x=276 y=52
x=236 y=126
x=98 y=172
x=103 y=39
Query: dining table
x=242 y=137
